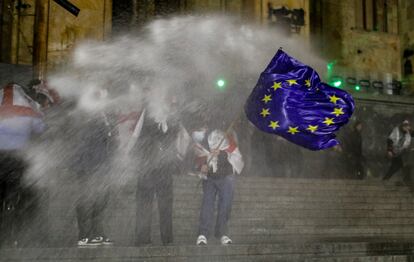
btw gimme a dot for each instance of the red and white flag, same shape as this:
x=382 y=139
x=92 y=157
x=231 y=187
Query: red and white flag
x=15 y=102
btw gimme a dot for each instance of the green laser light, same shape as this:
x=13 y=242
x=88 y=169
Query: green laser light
x=221 y=83
x=357 y=88
x=337 y=83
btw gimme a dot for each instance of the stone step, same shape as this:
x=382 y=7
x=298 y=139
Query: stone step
x=262 y=196
x=242 y=184
x=309 y=191
x=246 y=182
x=245 y=207
x=188 y=230
x=293 y=181
x=282 y=222
x=266 y=210
x=246 y=239
x=392 y=194
x=311 y=251
x=288 y=196
x=286 y=213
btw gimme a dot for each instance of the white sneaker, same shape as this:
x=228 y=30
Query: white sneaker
x=225 y=240
x=201 y=240
x=86 y=242
x=82 y=242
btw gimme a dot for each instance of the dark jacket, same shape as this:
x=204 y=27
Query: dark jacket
x=94 y=143
x=352 y=144
x=156 y=149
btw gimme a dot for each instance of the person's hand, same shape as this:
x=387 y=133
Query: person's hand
x=390 y=154
x=215 y=152
x=204 y=169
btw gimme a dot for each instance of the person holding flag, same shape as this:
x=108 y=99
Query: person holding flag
x=218 y=158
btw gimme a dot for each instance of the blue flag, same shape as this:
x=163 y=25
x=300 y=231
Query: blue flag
x=290 y=100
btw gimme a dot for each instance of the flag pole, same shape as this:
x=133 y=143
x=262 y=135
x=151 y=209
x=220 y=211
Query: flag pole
x=226 y=134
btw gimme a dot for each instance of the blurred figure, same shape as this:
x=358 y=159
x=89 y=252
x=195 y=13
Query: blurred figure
x=333 y=166
x=94 y=148
x=19 y=120
x=286 y=159
x=399 y=142
x=219 y=159
x=159 y=159
x=352 y=151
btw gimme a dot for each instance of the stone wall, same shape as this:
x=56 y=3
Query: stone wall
x=66 y=30
x=16 y=32
x=407 y=38
x=364 y=51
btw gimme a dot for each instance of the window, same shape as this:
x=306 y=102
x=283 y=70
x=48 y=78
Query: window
x=377 y=15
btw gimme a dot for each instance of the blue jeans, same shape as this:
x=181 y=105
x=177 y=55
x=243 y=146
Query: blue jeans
x=222 y=186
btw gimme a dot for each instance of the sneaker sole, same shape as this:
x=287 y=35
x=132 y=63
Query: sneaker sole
x=86 y=246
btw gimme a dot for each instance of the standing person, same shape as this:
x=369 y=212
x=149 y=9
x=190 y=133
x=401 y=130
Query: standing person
x=159 y=159
x=19 y=120
x=91 y=162
x=218 y=157
x=352 y=151
x=399 y=142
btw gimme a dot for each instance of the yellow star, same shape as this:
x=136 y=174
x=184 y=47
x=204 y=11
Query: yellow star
x=337 y=112
x=292 y=82
x=265 y=112
x=312 y=128
x=274 y=124
x=308 y=83
x=333 y=99
x=267 y=98
x=277 y=85
x=328 y=121
x=293 y=130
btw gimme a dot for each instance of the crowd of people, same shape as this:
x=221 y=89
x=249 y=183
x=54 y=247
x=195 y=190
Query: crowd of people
x=160 y=149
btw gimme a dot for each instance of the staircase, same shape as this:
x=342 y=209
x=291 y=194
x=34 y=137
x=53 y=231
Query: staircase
x=273 y=219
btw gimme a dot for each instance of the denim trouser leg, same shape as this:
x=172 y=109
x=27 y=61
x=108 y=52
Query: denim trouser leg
x=225 y=201
x=207 y=207
x=223 y=186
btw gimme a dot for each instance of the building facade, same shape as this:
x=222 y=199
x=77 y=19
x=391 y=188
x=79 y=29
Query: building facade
x=368 y=44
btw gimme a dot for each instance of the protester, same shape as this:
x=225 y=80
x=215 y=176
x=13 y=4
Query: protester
x=399 y=142
x=20 y=119
x=219 y=159
x=352 y=151
x=159 y=158
x=94 y=147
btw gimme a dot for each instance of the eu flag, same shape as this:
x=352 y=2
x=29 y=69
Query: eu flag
x=290 y=100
